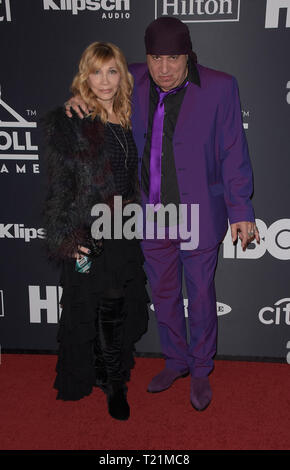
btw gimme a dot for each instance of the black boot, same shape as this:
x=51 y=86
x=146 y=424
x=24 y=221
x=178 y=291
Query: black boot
x=118 y=406
x=100 y=367
x=111 y=324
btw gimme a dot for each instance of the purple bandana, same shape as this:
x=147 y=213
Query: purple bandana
x=168 y=36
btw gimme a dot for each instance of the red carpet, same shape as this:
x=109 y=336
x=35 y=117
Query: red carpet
x=250 y=410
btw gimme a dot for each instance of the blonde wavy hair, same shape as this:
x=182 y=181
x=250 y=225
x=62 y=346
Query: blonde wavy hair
x=94 y=57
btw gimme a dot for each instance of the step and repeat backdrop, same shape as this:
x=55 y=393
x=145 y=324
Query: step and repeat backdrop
x=40 y=43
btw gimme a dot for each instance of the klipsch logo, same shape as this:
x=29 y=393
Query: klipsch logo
x=199 y=11
x=18 y=231
x=273 y=10
x=5 y=12
x=109 y=9
x=276 y=315
x=17 y=148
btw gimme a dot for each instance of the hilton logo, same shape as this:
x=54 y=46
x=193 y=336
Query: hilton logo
x=199 y=11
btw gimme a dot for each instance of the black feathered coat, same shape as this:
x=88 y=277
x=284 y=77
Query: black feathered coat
x=79 y=176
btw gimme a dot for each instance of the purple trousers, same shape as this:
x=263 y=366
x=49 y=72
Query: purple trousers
x=164 y=265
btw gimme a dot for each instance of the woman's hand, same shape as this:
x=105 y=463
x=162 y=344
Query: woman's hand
x=78 y=105
x=82 y=251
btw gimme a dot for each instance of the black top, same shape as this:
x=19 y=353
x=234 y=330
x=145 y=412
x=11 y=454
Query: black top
x=172 y=104
x=123 y=168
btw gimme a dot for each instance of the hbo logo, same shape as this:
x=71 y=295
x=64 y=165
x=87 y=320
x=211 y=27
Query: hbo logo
x=274 y=239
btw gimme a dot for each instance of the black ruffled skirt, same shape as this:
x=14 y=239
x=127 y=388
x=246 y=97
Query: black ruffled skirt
x=119 y=266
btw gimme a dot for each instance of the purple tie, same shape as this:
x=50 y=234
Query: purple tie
x=156 y=146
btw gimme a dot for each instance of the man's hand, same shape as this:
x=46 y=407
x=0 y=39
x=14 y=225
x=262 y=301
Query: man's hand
x=246 y=231
x=78 y=105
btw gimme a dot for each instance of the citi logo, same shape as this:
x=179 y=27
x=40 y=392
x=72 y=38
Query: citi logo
x=273 y=10
x=75 y=6
x=222 y=309
x=5 y=11
x=276 y=315
x=199 y=11
x=275 y=239
x=18 y=231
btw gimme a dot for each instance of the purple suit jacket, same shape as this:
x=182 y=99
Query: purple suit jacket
x=211 y=153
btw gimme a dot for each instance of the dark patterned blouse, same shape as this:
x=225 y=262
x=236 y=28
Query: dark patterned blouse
x=124 y=167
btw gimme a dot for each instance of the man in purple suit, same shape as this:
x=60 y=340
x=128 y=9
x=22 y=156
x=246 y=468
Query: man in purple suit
x=192 y=149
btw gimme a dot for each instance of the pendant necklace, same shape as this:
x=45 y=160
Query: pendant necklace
x=125 y=150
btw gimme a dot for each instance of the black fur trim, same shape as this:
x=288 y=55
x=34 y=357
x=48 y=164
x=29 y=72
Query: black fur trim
x=78 y=176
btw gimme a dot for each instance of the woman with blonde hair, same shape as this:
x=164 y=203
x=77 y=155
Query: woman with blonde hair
x=104 y=300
